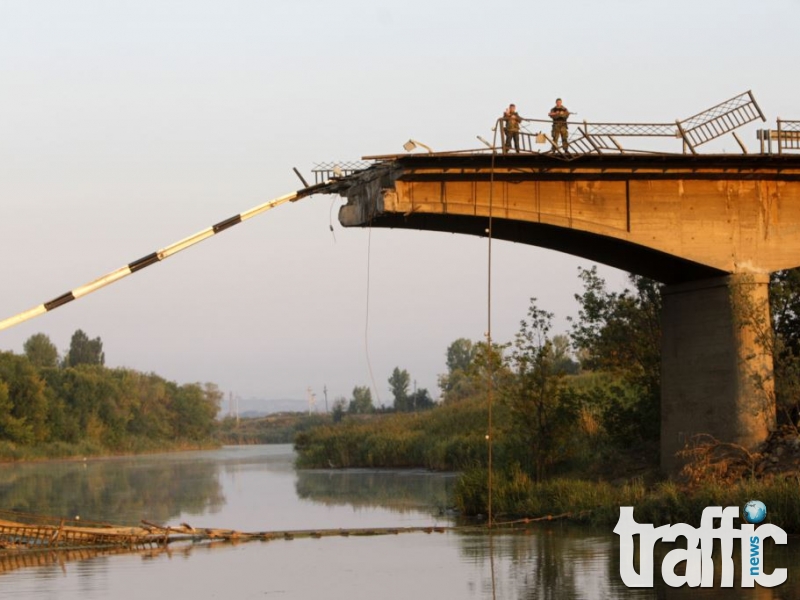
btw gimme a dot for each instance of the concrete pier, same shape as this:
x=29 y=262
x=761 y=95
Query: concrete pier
x=716 y=368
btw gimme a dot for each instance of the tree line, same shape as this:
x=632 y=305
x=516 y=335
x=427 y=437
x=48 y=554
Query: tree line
x=48 y=400
x=403 y=398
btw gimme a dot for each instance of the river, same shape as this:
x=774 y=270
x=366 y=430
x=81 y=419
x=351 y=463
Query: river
x=256 y=488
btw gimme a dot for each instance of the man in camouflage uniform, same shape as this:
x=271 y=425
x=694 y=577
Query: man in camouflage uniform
x=559 y=114
x=511 y=121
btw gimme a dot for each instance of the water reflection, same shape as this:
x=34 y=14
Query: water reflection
x=11 y=561
x=119 y=491
x=399 y=491
x=551 y=562
x=257 y=489
x=569 y=562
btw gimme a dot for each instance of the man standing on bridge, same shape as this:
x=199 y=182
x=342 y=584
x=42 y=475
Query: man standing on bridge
x=559 y=114
x=511 y=121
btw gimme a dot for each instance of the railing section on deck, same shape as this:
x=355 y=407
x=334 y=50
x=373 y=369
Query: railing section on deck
x=695 y=131
x=788 y=135
x=333 y=170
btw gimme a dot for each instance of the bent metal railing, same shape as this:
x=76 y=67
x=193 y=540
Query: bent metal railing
x=719 y=120
x=710 y=124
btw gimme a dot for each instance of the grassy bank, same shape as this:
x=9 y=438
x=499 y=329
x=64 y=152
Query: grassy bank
x=446 y=438
x=516 y=496
x=11 y=452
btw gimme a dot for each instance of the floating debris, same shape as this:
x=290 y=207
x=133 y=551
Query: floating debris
x=27 y=532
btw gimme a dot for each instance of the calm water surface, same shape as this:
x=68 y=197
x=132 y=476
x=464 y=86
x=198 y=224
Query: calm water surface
x=256 y=488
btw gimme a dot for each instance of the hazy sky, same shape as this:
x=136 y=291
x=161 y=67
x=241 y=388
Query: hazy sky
x=126 y=126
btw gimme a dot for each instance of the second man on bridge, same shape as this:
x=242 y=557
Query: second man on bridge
x=559 y=114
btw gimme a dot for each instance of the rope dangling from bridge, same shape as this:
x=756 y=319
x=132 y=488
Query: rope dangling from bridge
x=490 y=382
x=157 y=256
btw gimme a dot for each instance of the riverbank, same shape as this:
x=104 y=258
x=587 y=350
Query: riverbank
x=588 y=487
x=13 y=453
x=515 y=497
x=592 y=492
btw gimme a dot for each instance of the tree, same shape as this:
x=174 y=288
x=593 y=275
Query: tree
x=542 y=411
x=83 y=351
x=41 y=351
x=150 y=413
x=784 y=300
x=362 y=401
x=621 y=333
x=459 y=355
x=28 y=398
x=12 y=428
x=470 y=365
x=561 y=358
x=194 y=409
x=399 y=382
x=85 y=391
x=420 y=400
x=456 y=383
x=339 y=409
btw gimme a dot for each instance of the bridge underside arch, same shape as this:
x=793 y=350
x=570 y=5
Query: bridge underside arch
x=613 y=252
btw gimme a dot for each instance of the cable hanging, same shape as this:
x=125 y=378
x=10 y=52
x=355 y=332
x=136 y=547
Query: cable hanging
x=490 y=371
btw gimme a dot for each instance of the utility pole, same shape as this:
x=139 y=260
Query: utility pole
x=325 y=391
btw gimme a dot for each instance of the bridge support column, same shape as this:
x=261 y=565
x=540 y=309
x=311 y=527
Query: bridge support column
x=716 y=375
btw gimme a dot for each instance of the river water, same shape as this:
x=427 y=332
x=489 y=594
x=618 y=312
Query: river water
x=256 y=488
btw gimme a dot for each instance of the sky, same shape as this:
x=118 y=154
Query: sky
x=127 y=126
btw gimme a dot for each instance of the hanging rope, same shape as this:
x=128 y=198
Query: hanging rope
x=490 y=371
x=490 y=389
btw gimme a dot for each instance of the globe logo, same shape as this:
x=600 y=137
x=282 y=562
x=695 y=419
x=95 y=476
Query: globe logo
x=755 y=512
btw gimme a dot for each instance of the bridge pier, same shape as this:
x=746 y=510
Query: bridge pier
x=716 y=375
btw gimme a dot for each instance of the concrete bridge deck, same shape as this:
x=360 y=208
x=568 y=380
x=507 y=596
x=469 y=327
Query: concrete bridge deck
x=673 y=218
